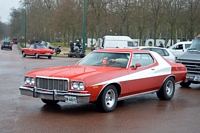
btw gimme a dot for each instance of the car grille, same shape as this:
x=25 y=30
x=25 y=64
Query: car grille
x=52 y=83
x=193 y=67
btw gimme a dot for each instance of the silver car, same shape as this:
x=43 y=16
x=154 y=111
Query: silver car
x=166 y=53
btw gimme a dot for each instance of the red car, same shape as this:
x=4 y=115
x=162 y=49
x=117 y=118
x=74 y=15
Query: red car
x=104 y=77
x=37 y=50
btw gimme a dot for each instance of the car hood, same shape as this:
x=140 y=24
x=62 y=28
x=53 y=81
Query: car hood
x=190 y=55
x=76 y=72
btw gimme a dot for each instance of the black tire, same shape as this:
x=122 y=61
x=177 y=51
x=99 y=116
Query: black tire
x=37 y=56
x=49 y=57
x=167 y=90
x=10 y=48
x=185 y=84
x=1 y=48
x=107 y=101
x=23 y=54
x=50 y=102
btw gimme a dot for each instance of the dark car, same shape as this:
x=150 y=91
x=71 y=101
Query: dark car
x=6 y=44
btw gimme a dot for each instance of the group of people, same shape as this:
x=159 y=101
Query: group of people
x=72 y=45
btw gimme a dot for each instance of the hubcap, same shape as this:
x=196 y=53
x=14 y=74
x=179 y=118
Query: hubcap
x=110 y=98
x=169 y=88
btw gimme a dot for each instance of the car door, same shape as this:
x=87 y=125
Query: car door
x=177 y=50
x=142 y=78
x=32 y=49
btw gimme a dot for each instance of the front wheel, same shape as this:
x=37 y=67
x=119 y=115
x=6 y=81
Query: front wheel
x=23 y=54
x=167 y=90
x=185 y=84
x=49 y=57
x=107 y=101
x=50 y=102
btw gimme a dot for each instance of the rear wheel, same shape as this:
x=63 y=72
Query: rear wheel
x=11 y=48
x=50 y=102
x=107 y=101
x=167 y=90
x=185 y=84
x=36 y=55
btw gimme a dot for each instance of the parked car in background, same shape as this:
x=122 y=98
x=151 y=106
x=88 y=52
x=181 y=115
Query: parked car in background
x=179 y=48
x=37 y=50
x=6 y=44
x=15 y=41
x=167 y=54
x=104 y=77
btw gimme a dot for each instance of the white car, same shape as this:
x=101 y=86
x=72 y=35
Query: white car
x=166 y=53
x=179 y=48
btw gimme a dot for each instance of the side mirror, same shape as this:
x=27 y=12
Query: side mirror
x=136 y=66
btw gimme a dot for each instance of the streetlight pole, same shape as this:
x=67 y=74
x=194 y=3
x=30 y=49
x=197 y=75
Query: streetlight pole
x=84 y=27
x=25 y=24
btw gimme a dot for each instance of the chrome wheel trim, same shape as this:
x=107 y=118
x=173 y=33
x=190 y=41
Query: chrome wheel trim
x=36 y=55
x=110 y=98
x=169 y=88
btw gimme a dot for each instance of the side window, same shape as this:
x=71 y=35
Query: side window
x=144 y=59
x=159 y=51
x=130 y=44
x=180 y=46
x=31 y=46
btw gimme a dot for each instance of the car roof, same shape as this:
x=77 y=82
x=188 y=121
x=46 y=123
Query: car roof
x=121 y=50
x=184 y=42
x=140 y=47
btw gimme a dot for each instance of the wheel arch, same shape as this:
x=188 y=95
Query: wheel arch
x=172 y=76
x=117 y=85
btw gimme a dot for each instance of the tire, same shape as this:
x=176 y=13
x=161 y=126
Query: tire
x=50 y=102
x=23 y=54
x=167 y=90
x=10 y=48
x=185 y=84
x=1 y=48
x=49 y=57
x=37 y=56
x=107 y=101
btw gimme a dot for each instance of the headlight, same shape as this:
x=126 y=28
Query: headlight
x=78 y=85
x=29 y=80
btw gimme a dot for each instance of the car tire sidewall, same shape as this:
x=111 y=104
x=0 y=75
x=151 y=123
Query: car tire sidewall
x=102 y=99
x=167 y=87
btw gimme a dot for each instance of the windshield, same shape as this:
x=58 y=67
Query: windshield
x=96 y=59
x=195 y=44
x=41 y=46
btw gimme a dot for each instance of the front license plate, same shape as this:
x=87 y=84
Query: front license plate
x=71 y=99
x=48 y=53
x=196 y=78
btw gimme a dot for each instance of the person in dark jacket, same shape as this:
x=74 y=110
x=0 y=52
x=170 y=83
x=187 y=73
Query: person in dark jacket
x=71 y=44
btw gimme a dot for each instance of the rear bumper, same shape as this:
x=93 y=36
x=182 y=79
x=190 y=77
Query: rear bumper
x=54 y=95
x=6 y=47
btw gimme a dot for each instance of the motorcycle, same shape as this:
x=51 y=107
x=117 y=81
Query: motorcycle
x=77 y=49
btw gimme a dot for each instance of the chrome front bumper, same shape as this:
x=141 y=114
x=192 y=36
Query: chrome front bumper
x=54 y=95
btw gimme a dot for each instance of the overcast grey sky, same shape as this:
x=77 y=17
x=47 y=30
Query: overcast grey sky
x=5 y=9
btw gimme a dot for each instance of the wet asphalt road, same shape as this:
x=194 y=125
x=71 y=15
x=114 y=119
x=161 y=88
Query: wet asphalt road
x=142 y=114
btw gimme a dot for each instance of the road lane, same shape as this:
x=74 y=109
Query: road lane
x=142 y=114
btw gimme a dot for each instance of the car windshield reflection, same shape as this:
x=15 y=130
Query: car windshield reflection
x=106 y=59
